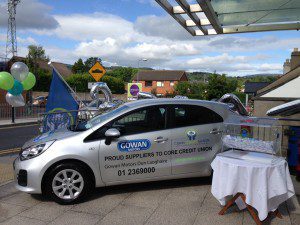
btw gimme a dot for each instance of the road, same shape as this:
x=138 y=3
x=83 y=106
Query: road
x=15 y=137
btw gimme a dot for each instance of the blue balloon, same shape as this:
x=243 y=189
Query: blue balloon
x=17 y=88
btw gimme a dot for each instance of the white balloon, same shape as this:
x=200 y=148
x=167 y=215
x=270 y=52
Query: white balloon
x=15 y=101
x=19 y=71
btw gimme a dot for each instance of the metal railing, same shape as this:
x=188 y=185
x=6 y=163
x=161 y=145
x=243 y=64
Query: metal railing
x=27 y=111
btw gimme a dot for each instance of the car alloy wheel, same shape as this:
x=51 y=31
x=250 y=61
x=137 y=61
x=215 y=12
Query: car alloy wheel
x=67 y=184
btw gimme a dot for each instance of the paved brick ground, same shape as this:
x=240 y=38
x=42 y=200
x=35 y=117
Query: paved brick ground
x=6 y=169
x=173 y=202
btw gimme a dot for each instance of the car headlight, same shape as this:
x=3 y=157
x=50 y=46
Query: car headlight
x=34 y=151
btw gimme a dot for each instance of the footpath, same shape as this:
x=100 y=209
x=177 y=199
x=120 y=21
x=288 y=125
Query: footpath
x=6 y=168
x=18 y=122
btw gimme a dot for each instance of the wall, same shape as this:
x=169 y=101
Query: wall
x=3 y=94
x=288 y=90
x=260 y=109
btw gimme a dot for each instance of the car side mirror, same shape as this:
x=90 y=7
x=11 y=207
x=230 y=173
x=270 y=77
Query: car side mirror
x=111 y=134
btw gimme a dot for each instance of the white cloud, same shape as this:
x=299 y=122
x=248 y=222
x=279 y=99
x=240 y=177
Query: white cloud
x=31 y=14
x=96 y=26
x=225 y=63
x=160 y=51
x=26 y=41
x=105 y=48
x=158 y=38
x=164 y=26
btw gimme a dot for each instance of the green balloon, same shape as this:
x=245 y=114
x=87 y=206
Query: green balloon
x=29 y=82
x=6 y=80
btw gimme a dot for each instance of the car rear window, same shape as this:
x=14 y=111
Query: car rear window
x=189 y=115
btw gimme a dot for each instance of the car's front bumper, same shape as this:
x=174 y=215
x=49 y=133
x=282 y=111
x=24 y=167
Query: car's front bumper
x=27 y=175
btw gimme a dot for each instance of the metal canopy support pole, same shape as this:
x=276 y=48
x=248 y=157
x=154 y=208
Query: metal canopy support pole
x=169 y=8
x=211 y=15
x=260 y=28
x=186 y=7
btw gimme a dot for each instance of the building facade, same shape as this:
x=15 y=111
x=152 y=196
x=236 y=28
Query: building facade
x=283 y=90
x=160 y=82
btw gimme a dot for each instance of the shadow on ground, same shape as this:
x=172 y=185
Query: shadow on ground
x=138 y=187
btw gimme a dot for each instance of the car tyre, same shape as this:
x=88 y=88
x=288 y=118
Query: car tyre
x=68 y=183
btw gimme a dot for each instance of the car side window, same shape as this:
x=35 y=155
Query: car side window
x=189 y=115
x=140 y=121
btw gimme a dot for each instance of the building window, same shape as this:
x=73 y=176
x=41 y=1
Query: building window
x=159 y=83
x=172 y=83
x=148 y=83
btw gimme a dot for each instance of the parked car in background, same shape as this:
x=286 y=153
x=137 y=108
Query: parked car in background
x=40 y=101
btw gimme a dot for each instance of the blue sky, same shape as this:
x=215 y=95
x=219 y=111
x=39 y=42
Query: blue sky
x=123 y=31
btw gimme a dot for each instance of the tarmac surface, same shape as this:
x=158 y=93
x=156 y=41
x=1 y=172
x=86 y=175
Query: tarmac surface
x=15 y=136
x=178 y=202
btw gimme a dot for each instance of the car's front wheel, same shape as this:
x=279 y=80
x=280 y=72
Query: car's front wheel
x=68 y=183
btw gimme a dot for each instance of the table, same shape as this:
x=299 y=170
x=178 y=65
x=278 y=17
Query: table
x=261 y=186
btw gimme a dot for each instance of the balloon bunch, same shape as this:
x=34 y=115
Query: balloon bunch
x=20 y=79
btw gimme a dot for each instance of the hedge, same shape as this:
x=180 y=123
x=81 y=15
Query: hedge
x=79 y=82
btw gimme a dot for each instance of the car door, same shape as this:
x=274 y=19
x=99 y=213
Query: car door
x=139 y=152
x=196 y=138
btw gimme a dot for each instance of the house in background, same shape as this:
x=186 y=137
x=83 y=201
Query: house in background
x=251 y=89
x=283 y=90
x=160 y=81
x=63 y=69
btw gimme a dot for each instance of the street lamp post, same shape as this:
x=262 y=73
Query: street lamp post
x=140 y=60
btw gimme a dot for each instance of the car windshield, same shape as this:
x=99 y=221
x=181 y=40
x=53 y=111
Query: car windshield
x=100 y=118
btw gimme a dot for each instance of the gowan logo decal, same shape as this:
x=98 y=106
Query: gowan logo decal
x=134 y=145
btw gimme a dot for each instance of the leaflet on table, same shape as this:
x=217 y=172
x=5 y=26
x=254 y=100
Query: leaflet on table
x=249 y=144
x=250 y=156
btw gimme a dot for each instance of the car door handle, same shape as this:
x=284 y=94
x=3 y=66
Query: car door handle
x=160 y=140
x=215 y=131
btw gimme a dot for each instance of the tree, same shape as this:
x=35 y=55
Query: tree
x=90 y=62
x=218 y=85
x=43 y=80
x=78 y=67
x=35 y=53
x=183 y=88
x=195 y=90
x=124 y=73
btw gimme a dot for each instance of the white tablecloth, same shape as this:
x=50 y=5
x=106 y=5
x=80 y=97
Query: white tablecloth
x=265 y=186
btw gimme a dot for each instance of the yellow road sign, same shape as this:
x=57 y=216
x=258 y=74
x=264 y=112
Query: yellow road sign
x=97 y=71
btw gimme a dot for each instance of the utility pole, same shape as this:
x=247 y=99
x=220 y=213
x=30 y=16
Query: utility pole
x=11 y=41
x=140 y=60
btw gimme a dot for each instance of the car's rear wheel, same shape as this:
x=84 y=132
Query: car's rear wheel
x=68 y=183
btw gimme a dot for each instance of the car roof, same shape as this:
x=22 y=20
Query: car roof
x=220 y=108
x=161 y=101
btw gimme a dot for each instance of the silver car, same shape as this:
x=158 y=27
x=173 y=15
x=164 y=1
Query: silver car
x=141 y=141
